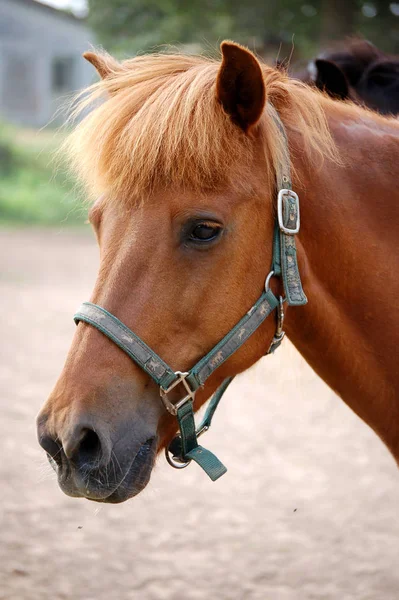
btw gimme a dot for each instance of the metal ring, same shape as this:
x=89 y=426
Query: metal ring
x=268 y=278
x=175 y=462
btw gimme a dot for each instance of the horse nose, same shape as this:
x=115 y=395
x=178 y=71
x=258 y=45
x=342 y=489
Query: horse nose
x=81 y=444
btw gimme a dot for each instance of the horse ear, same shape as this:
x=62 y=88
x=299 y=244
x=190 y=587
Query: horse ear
x=330 y=78
x=239 y=86
x=104 y=64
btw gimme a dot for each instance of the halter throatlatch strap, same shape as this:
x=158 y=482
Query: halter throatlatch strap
x=185 y=447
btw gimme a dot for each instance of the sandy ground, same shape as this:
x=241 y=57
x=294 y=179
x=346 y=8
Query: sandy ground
x=309 y=509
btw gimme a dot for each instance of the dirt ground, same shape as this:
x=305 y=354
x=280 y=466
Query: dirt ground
x=309 y=509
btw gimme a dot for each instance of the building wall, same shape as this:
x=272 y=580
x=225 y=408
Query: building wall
x=40 y=61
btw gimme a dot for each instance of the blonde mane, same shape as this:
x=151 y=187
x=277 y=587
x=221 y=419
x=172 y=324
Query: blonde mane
x=161 y=125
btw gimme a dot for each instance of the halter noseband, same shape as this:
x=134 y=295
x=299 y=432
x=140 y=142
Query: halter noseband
x=184 y=447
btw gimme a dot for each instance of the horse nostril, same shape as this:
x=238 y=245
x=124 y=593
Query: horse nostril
x=83 y=446
x=52 y=447
x=90 y=446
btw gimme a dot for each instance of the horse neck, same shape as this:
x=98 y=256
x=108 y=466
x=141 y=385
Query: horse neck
x=347 y=251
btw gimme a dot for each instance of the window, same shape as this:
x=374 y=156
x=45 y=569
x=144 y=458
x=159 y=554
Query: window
x=62 y=74
x=20 y=90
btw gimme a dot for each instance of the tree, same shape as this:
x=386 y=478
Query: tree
x=128 y=26
x=338 y=19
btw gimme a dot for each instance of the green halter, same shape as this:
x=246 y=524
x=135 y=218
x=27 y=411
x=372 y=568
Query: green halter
x=184 y=448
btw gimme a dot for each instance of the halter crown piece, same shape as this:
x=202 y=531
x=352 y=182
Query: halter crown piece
x=184 y=447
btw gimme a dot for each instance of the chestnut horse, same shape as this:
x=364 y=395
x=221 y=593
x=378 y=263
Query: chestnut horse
x=184 y=154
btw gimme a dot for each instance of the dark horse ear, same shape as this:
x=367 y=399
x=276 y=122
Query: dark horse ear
x=104 y=64
x=331 y=79
x=239 y=86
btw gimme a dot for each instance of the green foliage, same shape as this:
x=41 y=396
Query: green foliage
x=30 y=191
x=128 y=26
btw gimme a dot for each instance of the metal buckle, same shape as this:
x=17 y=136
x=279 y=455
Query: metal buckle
x=295 y=223
x=173 y=408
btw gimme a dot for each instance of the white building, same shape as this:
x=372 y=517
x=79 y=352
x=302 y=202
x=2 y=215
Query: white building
x=40 y=60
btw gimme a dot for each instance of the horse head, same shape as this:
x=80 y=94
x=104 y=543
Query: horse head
x=184 y=155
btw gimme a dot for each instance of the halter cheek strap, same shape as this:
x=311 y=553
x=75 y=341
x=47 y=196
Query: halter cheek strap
x=185 y=447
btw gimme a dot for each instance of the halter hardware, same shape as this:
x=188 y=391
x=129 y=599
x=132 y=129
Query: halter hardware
x=292 y=223
x=280 y=333
x=177 y=462
x=181 y=379
x=184 y=447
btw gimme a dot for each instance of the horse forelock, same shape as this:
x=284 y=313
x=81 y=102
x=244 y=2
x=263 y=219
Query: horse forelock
x=159 y=125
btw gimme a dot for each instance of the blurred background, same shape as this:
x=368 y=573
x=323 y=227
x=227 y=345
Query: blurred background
x=41 y=66
x=309 y=507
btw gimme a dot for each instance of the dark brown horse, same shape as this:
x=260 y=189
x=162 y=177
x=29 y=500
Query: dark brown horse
x=184 y=155
x=359 y=72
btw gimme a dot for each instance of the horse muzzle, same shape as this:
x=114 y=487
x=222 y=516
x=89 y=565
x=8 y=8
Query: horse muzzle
x=113 y=482
x=90 y=464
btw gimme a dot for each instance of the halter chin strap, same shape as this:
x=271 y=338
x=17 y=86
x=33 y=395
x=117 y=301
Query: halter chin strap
x=184 y=448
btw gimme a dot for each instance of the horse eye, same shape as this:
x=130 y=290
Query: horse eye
x=205 y=232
